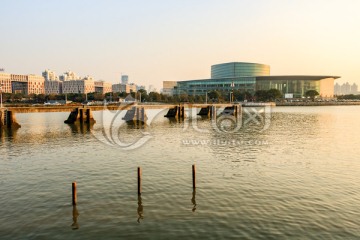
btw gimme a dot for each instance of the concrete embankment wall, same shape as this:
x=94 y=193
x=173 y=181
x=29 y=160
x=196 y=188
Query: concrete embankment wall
x=317 y=103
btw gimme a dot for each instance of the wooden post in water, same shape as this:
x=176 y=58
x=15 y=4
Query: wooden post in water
x=81 y=110
x=88 y=115
x=179 y=112
x=139 y=180
x=193 y=176
x=74 y=194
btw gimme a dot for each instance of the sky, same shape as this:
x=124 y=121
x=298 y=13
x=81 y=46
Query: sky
x=173 y=40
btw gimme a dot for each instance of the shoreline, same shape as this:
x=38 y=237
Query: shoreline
x=296 y=104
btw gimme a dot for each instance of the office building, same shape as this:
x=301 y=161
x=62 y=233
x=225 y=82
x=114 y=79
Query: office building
x=103 y=87
x=168 y=87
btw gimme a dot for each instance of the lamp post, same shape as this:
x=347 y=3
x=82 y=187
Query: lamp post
x=1 y=104
x=232 y=91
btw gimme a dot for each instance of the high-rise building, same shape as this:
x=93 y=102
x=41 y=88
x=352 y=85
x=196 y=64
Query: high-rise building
x=52 y=83
x=124 y=79
x=50 y=75
x=69 y=75
x=354 y=88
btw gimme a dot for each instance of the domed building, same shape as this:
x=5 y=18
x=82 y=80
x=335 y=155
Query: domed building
x=250 y=77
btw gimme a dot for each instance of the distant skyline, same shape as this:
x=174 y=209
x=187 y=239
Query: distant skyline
x=155 y=41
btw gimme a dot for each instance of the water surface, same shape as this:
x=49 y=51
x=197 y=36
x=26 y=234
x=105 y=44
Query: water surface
x=296 y=179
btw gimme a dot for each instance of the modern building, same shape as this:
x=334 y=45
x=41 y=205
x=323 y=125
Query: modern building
x=83 y=86
x=36 y=84
x=251 y=77
x=127 y=88
x=5 y=82
x=124 y=79
x=50 y=75
x=52 y=83
x=345 y=88
x=103 y=87
x=53 y=87
x=27 y=84
x=69 y=75
x=168 y=87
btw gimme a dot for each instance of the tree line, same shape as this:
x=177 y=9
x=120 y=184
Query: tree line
x=214 y=96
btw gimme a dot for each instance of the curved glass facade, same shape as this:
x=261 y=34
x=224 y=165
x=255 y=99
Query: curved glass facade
x=250 y=77
x=200 y=87
x=239 y=69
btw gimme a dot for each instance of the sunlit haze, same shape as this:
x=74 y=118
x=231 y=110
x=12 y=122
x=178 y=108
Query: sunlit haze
x=155 y=41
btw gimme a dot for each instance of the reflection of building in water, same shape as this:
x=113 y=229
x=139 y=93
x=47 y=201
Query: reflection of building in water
x=140 y=209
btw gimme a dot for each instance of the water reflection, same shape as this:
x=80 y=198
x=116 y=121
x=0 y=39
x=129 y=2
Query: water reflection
x=82 y=128
x=6 y=133
x=193 y=200
x=135 y=124
x=75 y=215
x=140 y=209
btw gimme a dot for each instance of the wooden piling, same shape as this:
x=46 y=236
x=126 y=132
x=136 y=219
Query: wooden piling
x=178 y=112
x=74 y=194
x=193 y=176
x=139 y=180
x=88 y=114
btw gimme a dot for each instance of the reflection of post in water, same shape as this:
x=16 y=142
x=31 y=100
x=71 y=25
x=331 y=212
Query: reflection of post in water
x=140 y=209
x=136 y=124
x=193 y=200
x=81 y=127
x=75 y=215
x=8 y=133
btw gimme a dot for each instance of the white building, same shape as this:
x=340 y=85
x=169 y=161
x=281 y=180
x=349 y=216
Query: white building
x=103 y=87
x=5 y=82
x=168 y=87
x=69 y=75
x=50 y=75
x=53 y=87
x=79 y=86
x=36 y=84
x=124 y=88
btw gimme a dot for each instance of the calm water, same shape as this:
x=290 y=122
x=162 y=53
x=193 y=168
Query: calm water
x=299 y=178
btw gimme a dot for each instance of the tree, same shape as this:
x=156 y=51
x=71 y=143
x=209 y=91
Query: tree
x=311 y=94
x=261 y=95
x=214 y=95
x=273 y=94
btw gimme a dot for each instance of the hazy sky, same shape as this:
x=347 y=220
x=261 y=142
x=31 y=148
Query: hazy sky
x=157 y=40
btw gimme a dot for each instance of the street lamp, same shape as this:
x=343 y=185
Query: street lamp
x=232 y=91
x=1 y=96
